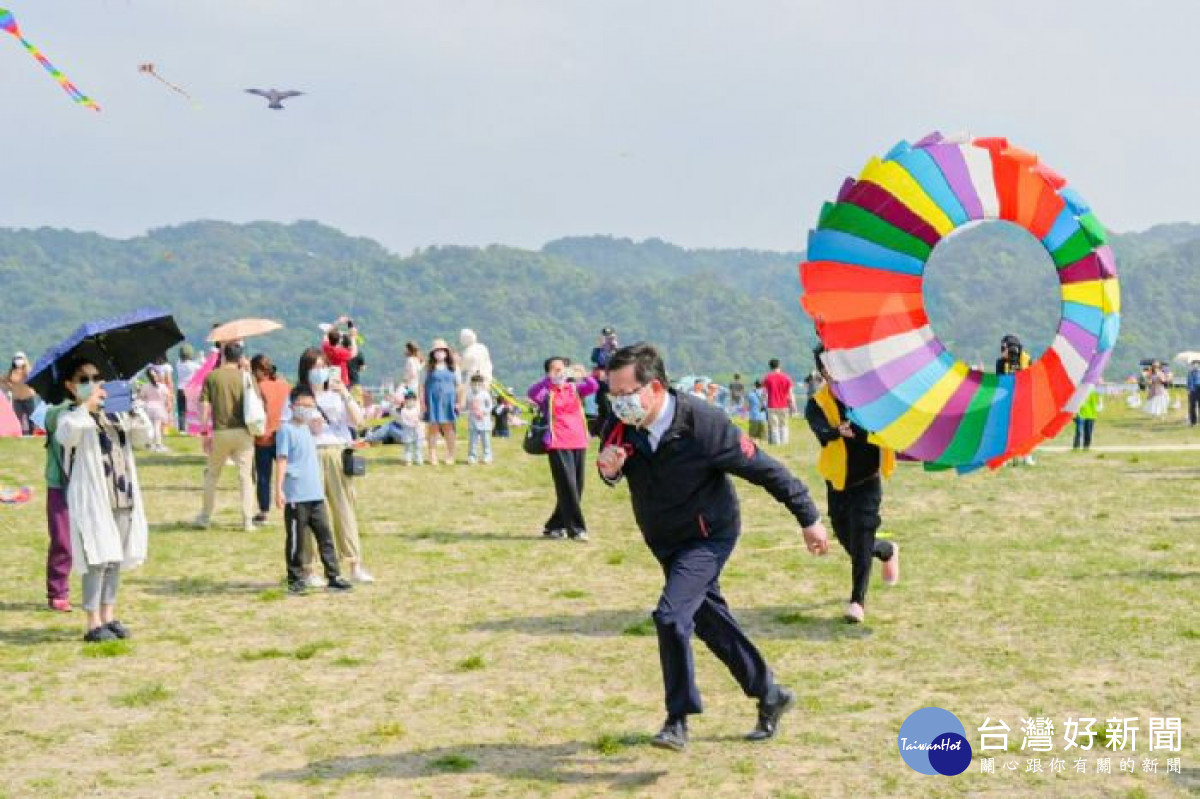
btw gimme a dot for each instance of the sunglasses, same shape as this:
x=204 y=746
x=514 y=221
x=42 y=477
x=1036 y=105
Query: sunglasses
x=85 y=379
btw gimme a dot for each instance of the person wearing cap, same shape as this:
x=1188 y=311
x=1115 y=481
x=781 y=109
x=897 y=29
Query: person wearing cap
x=442 y=396
x=604 y=350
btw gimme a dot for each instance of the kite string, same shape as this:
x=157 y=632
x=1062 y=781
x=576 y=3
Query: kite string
x=169 y=85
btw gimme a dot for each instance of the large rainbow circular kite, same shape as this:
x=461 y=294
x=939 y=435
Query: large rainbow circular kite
x=863 y=288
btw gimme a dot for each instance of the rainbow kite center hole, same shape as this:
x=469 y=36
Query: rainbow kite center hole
x=987 y=280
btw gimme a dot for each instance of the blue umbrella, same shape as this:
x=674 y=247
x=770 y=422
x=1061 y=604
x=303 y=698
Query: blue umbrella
x=120 y=347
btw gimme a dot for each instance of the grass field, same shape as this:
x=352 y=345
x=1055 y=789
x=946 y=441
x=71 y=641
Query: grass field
x=488 y=662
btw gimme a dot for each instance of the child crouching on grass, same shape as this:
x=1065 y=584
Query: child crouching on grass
x=300 y=492
x=854 y=468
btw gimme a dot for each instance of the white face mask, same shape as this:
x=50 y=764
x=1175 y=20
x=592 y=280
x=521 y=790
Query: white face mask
x=318 y=377
x=559 y=378
x=629 y=409
x=439 y=356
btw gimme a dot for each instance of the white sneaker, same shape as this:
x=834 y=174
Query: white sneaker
x=361 y=575
x=200 y=522
x=315 y=581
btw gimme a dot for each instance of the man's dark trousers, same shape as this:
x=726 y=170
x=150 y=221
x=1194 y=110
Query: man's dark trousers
x=692 y=601
x=854 y=514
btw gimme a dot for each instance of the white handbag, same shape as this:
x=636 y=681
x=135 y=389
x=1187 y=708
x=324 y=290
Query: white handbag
x=252 y=407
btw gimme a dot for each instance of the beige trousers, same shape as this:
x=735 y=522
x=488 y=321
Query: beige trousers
x=239 y=445
x=340 y=501
x=777 y=425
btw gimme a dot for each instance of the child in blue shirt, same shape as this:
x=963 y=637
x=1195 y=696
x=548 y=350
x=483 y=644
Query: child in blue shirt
x=757 y=413
x=479 y=420
x=300 y=492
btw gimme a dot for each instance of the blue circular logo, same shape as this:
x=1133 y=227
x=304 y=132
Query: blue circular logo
x=933 y=741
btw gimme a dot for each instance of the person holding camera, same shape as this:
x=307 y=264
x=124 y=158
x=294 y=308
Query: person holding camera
x=559 y=394
x=340 y=413
x=109 y=533
x=1013 y=358
x=340 y=348
x=604 y=350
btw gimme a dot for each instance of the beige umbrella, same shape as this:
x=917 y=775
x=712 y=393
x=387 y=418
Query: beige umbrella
x=1187 y=356
x=242 y=328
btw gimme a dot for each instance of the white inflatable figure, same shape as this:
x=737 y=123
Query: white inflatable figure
x=475 y=357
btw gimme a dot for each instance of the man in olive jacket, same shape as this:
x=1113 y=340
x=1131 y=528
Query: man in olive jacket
x=677 y=454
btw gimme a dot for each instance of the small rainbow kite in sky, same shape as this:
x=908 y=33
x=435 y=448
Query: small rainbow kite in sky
x=9 y=23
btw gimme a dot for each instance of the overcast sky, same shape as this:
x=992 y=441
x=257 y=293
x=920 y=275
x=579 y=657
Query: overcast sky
x=463 y=121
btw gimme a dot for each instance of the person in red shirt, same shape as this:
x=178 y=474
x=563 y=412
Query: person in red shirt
x=337 y=356
x=780 y=403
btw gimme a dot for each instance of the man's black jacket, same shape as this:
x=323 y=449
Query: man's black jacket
x=682 y=491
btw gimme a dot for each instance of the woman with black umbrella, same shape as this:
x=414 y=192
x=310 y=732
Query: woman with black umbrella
x=108 y=521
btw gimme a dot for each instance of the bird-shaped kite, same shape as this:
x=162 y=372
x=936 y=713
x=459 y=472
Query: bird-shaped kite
x=274 y=96
x=148 y=69
x=9 y=23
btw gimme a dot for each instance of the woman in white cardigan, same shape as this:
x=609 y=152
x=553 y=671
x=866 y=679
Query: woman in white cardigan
x=108 y=522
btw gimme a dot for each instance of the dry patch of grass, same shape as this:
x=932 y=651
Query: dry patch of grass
x=488 y=661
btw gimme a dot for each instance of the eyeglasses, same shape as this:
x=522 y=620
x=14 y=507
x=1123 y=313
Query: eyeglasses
x=628 y=393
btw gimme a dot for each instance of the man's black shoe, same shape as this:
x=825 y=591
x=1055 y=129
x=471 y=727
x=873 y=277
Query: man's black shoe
x=118 y=629
x=770 y=710
x=339 y=585
x=298 y=588
x=673 y=735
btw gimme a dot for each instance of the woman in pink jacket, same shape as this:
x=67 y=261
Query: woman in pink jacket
x=559 y=394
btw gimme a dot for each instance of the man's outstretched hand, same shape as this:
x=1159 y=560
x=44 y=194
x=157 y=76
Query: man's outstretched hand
x=816 y=539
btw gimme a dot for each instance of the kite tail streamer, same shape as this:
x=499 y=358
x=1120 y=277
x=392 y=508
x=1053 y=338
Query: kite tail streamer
x=173 y=87
x=55 y=73
x=503 y=392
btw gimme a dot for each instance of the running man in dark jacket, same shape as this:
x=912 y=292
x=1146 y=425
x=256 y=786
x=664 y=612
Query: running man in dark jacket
x=677 y=455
